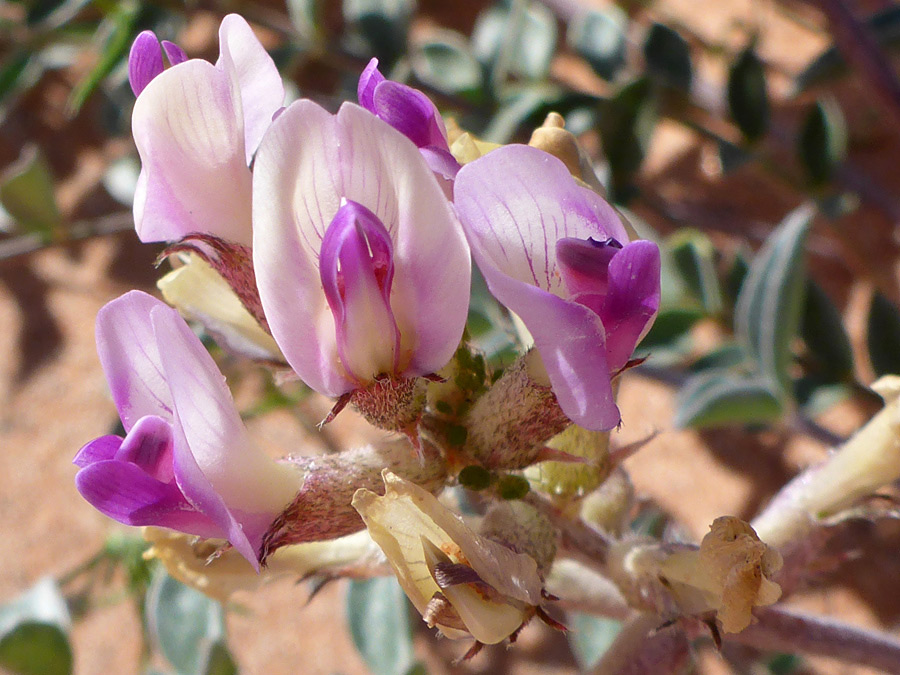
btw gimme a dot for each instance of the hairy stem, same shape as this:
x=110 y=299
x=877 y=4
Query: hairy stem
x=781 y=629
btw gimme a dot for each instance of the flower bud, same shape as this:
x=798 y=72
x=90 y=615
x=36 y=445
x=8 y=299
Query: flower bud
x=572 y=480
x=461 y=582
x=553 y=138
x=609 y=506
x=523 y=529
x=510 y=423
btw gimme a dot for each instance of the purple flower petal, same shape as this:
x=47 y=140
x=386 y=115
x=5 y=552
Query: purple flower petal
x=216 y=465
x=144 y=61
x=125 y=493
x=97 y=450
x=584 y=265
x=295 y=196
x=411 y=113
x=516 y=203
x=571 y=341
x=259 y=86
x=130 y=359
x=174 y=53
x=357 y=269
x=310 y=161
x=149 y=446
x=442 y=162
x=194 y=178
x=632 y=301
x=430 y=295
x=370 y=78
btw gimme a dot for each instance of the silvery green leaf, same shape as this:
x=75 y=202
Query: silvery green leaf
x=770 y=304
x=185 y=624
x=35 y=648
x=33 y=632
x=446 y=63
x=590 y=636
x=599 y=37
x=722 y=398
x=378 y=614
x=695 y=258
x=823 y=140
x=668 y=57
x=823 y=332
x=26 y=193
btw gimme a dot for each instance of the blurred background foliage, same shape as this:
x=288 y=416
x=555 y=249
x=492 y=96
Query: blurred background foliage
x=767 y=178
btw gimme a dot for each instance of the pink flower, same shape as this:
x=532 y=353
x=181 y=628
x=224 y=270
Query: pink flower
x=186 y=462
x=196 y=126
x=557 y=255
x=363 y=271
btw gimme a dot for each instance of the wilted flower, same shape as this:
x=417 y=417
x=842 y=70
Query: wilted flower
x=362 y=268
x=410 y=112
x=186 y=462
x=204 y=566
x=731 y=573
x=463 y=583
x=558 y=256
x=196 y=127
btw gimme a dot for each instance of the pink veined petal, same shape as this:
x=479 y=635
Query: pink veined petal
x=125 y=493
x=370 y=78
x=571 y=342
x=632 y=301
x=357 y=269
x=259 y=85
x=242 y=474
x=194 y=175
x=382 y=170
x=144 y=61
x=518 y=201
x=295 y=197
x=130 y=359
x=202 y=496
x=216 y=467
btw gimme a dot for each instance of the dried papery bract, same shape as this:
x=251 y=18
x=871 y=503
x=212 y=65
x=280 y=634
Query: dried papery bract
x=219 y=572
x=729 y=574
x=463 y=583
x=201 y=294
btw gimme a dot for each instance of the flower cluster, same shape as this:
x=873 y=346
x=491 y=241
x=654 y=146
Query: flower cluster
x=340 y=245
